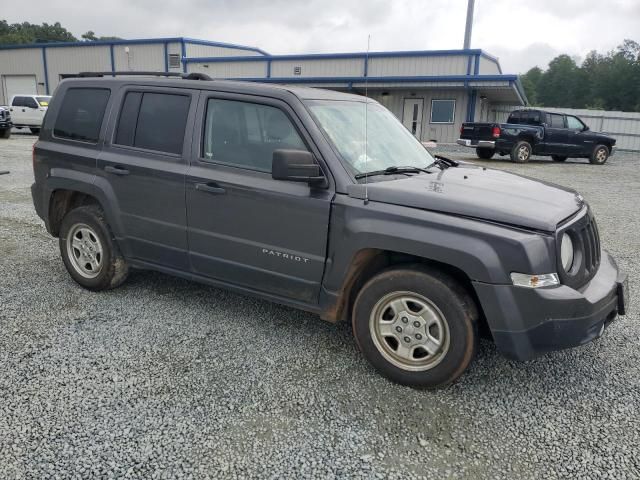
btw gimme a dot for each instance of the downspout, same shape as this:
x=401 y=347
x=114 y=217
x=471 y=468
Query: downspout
x=46 y=73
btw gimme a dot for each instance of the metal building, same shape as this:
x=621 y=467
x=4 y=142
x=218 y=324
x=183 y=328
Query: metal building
x=432 y=92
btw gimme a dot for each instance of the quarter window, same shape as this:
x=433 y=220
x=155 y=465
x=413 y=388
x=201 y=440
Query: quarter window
x=81 y=114
x=443 y=111
x=153 y=121
x=246 y=134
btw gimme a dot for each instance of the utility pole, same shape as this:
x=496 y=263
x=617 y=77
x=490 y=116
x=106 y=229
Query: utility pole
x=469 y=25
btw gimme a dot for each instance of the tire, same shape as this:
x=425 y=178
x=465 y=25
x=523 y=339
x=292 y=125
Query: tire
x=558 y=158
x=35 y=131
x=420 y=293
x=485 y=153
x=521 y=152
x=5 y=133
x=599 y=155
x=97 y=263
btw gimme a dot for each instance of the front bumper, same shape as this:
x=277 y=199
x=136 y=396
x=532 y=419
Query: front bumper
x=4 y=125
x=526 y=323
x=465 y=142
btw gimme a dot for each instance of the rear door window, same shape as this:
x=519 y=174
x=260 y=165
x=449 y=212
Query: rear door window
x=514 y=118
x=557 y=121
x=81 y=114
x=153 y=121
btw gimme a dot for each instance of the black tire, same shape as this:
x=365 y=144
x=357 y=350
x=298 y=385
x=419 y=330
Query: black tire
x=521 y=152
x=34 y=130
x=113 y=268
x=558 y=158
x=599 y=155
x=6 y=133
x=450 y=299
x=485 y=153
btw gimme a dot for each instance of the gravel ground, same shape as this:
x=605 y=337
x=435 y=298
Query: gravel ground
x=163 y=378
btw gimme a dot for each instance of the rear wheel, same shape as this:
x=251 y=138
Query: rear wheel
x=35 y=130
x=6 y=133
x=558 y=158
x=485 y=153
x=415 y=326
x=599 y=155
x=521 y=152
x=89 y=251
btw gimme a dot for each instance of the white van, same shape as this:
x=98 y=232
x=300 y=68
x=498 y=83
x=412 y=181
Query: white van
x=27 y=111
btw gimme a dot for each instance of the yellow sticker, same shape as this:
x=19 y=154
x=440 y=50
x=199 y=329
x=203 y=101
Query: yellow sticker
x=44 y=104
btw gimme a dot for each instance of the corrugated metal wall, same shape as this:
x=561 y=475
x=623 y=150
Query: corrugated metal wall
x=140 y=57
x=345 y=67
x=488 y=67
x=23 y=61
x=196 y=50
x=70 y=60
x=231 y=69
x=623 y=126
x=418 y=66
x=443 y=133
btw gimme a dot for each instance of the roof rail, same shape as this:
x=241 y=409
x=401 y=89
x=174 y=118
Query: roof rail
x=185 y=76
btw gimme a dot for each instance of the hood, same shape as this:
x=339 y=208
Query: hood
x=481 y=193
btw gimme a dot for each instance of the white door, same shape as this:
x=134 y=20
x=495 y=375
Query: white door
x=412 y=115
x=19 y=85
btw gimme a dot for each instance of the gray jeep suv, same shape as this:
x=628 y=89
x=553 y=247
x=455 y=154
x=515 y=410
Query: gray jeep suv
x=278 y=192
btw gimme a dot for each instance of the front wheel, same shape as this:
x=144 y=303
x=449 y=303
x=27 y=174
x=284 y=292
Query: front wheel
x=521 y=152
x=558 y=158
x=89 y=251
x=415 y=326
x=485 y=153
x=599 y=155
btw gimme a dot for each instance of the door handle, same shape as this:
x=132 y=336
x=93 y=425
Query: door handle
x=210 y=188
x=116 y=170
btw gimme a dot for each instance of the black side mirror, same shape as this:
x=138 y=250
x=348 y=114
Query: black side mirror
x=586 y=128
x=296 y=166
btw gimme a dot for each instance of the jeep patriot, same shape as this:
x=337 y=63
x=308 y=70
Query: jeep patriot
x=271 y=191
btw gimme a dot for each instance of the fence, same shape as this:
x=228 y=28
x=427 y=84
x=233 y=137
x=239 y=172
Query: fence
x=623 y=126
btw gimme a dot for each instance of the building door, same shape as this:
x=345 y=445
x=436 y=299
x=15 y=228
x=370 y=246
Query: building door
x=412 y=115
x=19 y=85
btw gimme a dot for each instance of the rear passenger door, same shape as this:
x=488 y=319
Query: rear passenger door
x=245 y=228
x=144 y=165
x=556 y=135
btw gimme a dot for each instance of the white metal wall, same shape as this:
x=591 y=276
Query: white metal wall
x=343 y=67
x=141 y=57
x=196 y=50
x=69 y=60
x=623 y=126
x=488 y=67
x=21 y=61
x=231 y=69
x=418 y=66
x=443 y=133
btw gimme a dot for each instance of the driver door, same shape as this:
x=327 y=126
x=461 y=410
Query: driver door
x=244 y=227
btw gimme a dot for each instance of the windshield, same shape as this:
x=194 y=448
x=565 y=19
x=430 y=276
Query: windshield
x=389 y=143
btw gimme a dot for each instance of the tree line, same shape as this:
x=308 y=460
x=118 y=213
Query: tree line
x=609 y=81
x=25 y=32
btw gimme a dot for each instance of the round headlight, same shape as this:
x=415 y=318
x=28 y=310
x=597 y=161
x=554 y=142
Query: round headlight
x=566 y=252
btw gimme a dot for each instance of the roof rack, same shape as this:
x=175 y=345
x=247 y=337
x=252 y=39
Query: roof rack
x=184 y=76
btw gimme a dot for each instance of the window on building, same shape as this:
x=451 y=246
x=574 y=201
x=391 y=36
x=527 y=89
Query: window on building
x=246 y=134
x=81 y=114
x=443 y=111
x=153 y=121
x=574 y=123
x=174 y=60
x=556 y=121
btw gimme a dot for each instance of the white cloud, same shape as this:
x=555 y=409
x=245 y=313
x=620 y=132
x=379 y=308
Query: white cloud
x=521 y=32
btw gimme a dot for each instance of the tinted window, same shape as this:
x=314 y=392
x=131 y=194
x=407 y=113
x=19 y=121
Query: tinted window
x=154 y=121
x=556 y=121
x=514 y=118
x=17 y=102
x=246 y=134
x=443 y=111
x=531 y=117
x=30 y=102
x=574 y=124
x=81 y=113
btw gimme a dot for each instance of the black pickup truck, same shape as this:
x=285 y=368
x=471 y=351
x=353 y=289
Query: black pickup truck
x=536 y=132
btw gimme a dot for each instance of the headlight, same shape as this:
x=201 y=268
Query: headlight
x=566 y=252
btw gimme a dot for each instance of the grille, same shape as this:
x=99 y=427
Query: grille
x=586 y=239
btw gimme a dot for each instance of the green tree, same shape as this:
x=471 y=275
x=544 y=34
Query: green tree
x=530 y=82
x=17 y=33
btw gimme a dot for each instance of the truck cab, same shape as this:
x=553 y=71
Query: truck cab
x=28 y=111
x=277 y=192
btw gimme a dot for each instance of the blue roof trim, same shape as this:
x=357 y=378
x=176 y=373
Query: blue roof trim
x=136 y=41
x=390 y=79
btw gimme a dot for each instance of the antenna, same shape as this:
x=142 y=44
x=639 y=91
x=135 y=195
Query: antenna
x=366 y=108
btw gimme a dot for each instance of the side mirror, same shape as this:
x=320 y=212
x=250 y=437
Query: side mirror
x=296 y=166
x=586 y=128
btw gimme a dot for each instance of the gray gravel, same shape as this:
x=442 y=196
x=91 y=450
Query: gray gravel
x=163 y=378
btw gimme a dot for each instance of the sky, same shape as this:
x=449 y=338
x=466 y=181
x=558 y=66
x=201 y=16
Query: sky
x=521 y=33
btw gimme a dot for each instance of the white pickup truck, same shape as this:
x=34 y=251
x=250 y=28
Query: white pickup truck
x=27 y=111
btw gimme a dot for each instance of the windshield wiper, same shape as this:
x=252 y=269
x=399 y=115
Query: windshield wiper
x=392 y=171
x=444 y=162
